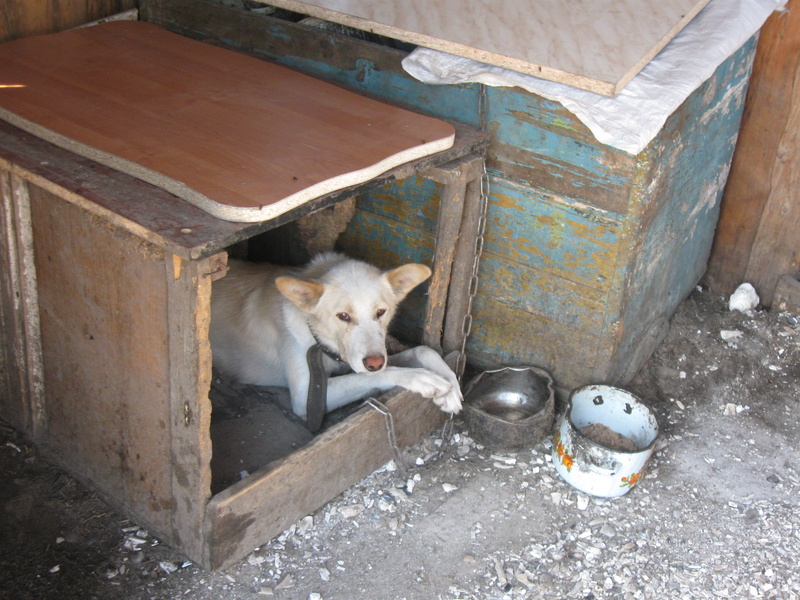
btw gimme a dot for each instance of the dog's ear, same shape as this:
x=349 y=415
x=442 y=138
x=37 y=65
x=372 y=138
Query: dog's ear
x=406 y=278
x=304 y=294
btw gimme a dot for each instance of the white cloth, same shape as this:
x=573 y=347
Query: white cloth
x=634 y=117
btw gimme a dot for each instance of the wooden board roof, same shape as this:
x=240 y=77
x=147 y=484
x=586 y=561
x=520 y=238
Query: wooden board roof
x=243 y=139
x=597 y=45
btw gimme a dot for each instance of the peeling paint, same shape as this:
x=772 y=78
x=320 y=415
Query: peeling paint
x=587 y=248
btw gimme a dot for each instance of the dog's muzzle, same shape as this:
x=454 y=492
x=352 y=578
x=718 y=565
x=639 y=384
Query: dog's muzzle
x=374 y=363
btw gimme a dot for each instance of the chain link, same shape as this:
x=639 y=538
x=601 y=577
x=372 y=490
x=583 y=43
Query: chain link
x=466 y=326
x=402 y=465
x=405 y=469
x=448 y=428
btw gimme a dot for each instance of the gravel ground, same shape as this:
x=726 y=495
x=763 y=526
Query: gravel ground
x=716 y=516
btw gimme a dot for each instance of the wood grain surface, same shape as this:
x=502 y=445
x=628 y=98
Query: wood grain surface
x=22 y=18
x=597 y=45
x=756 y=239
x=241 y=138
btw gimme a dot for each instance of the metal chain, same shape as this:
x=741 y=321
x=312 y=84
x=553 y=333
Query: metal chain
x=402 y=465
x=466 y=326
x=405 y=469
x=448 y=427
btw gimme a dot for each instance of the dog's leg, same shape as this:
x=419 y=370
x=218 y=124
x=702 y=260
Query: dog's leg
x=298 y=378
x=344 y=389
x=427 y=358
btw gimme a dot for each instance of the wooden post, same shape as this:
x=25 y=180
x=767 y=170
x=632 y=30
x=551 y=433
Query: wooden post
x=756 y=237
x=189 y=315
x=452 y=241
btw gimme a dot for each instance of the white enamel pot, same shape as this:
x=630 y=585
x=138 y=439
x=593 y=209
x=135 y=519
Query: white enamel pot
x=602 y=468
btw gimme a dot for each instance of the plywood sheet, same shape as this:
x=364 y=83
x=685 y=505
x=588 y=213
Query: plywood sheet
x=597 y=45
x=241 y=138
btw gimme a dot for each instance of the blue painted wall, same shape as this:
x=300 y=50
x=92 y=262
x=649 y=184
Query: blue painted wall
x=588 y=249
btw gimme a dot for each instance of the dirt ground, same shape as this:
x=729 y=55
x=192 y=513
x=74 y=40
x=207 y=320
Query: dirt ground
x=716 y=516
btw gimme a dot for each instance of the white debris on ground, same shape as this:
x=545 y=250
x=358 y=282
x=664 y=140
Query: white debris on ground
x=744 y=298
x=666 y=539
x=716 y=516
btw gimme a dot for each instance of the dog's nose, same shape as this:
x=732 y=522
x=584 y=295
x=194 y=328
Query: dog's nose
x=374 y=363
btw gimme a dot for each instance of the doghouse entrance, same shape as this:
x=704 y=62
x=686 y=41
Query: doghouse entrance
x=110 y=353
x=249 y=429
x=253 y=426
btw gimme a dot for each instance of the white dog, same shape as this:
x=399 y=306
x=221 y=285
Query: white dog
x=265 y=318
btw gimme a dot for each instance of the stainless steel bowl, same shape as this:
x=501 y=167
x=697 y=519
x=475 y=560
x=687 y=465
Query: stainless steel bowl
x=510 y=408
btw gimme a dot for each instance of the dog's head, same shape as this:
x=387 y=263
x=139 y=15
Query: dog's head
x=349 y=305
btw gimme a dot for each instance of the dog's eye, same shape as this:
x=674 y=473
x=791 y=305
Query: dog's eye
x=381 y=312
x=343 y=316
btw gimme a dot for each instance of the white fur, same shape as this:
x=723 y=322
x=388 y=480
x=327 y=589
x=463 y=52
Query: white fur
x=262 y=319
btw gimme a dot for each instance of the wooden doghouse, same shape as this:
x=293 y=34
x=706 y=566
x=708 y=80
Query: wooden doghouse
x=588 y=249
x=587 y=252
x=105 y=293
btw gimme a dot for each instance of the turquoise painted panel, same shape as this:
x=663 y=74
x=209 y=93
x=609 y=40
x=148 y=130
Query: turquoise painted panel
x=565 y=282
x=672 y=238
x=386 y=243
x=413 y=200
x=503 y=336
x=528 y=122
x=555 y=236
x=541 y=143
x=456 y=102
x=540 y=294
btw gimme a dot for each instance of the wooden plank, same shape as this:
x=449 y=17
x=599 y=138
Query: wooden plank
x=15 y=393
x=104 y=344
x=777 y=242
x=28 y=300
x=22 y=401
x=595 y=45
x=451 y=208
x=23 y=17
x=358 y=64
x=772 y=100
x=787 y=292
x=270 y=500
x=188 y=356
x=456 y=239
x=454 y=178
x=171 y=111
x=463 y=278
x=160 y=217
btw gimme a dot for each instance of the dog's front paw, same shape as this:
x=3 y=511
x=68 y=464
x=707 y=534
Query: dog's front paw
x=443 y=391
x=450 y=402
x=424 y=382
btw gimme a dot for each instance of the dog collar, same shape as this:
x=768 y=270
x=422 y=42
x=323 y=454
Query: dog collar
x=324 y=349
x=316 y=401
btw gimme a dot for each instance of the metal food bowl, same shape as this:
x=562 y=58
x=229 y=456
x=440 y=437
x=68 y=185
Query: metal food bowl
x=510 y=408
